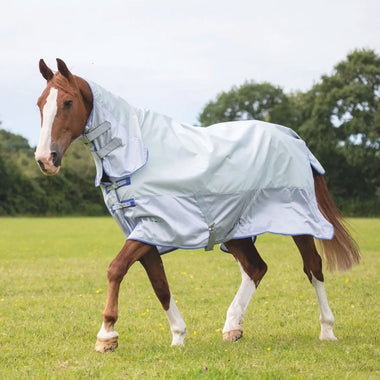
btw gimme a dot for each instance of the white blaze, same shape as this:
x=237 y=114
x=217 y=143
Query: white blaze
x=48 y=114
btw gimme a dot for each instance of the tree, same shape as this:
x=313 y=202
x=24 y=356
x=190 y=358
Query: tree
x=24 y=190
x=341 y=124
x=18 y=194
x=347 y=102
x=261 y=101
x=11 y=143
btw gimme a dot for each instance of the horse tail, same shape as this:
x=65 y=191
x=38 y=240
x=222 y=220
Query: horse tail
x=342 y=251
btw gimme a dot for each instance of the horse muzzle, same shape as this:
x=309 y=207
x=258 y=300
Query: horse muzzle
x=51 y=164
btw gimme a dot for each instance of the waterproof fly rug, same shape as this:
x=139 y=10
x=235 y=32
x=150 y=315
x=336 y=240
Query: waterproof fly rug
x=174 y=185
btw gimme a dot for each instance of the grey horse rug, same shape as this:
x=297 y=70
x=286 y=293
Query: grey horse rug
x=174 y=185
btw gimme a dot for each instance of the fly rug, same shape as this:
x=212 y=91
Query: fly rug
x=171 y=185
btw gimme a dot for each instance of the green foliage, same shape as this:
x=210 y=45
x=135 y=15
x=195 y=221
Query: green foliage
x=25 y=191
x=53 y=287
x=249 y=101
x=342 y=126
x=352 y=99
x=12 y=143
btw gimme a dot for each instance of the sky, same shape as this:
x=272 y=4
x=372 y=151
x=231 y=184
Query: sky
x=174 y=56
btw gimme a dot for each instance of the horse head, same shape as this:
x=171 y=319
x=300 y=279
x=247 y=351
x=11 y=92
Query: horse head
x=65 y=106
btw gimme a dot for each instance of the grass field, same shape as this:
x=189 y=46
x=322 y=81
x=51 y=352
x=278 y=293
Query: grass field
x=52 y=293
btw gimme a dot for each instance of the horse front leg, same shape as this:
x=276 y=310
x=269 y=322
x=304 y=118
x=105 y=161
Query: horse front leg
x=253 y=269
x=155 y=270
x=313 y=269
x=131 y=252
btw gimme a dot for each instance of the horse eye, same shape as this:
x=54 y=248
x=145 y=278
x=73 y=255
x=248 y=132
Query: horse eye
x=67 y=104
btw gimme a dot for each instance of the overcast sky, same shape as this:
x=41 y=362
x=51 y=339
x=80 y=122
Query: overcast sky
x=174 y=56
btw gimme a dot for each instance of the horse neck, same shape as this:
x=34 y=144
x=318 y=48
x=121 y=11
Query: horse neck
x=86 y=93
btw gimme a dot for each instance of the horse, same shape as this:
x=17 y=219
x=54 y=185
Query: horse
x=146 y=165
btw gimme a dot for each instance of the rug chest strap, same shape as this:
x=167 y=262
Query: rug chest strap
x=107 y=149
x=99 y=130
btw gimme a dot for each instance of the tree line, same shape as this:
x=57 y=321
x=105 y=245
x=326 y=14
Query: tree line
x=24 y=190
x=338 y=117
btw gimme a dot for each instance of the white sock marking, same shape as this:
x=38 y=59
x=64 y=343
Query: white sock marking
x=238 y=307
x=326 y=318
x=176 y=323
x=105 y=335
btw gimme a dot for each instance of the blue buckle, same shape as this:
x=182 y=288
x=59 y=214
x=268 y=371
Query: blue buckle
x=119 y=183
x=123 y=204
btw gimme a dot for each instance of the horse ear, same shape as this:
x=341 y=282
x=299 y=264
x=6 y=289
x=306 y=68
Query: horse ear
x=62 y=68
x=45 y=71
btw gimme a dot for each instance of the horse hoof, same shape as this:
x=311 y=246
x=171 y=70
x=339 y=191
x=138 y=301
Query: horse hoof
x=328 y=336
x=233 y=335
x=327 y=333
x=106 y=345
x=178 y=340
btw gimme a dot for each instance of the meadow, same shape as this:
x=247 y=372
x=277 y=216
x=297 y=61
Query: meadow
x=53 y=287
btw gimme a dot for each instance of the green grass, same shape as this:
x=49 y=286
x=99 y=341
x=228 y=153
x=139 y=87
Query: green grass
x=52 y=293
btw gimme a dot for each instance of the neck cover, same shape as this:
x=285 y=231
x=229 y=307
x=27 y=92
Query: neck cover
x=113 y=135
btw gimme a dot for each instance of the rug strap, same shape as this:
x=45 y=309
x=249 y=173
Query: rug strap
x=211 y=239
x=107 y=149
x=98 y=131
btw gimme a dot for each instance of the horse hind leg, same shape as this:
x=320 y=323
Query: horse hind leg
x=233 y=330
x=313 y=269
x=253 y=269
x=154 y=268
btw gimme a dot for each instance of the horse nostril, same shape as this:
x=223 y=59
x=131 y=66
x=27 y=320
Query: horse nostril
x=41 y=164
x=56 y=158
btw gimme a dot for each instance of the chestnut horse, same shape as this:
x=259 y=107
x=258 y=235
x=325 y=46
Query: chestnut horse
x=66 y=105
